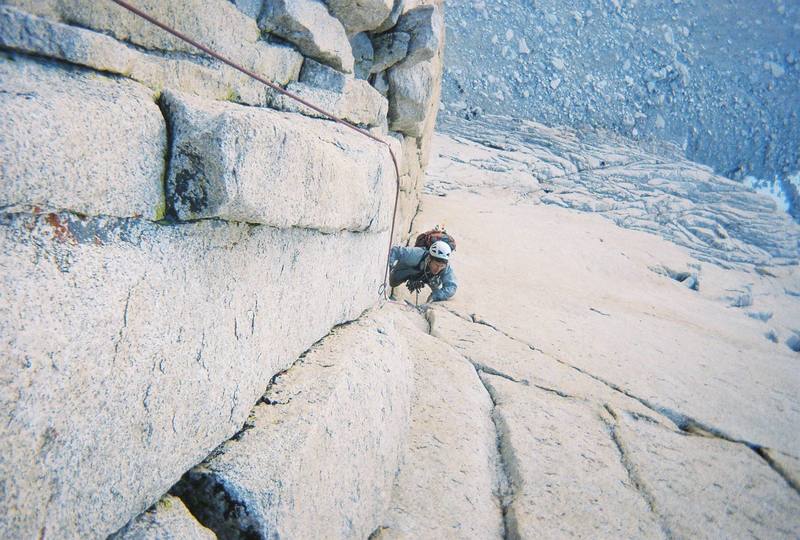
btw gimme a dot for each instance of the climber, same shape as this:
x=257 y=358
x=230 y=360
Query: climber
x=417 y=267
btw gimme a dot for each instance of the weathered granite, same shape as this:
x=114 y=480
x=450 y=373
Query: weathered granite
x=320 y=452
x=168 y=519
x=705 y=487
x=67 y=138
x=309 y=26
x=425 y=25
x=389 y=48
x=363 y=53
x=360 y=15
x=132 y=349
x=23 y=32
x=261 y=166
x=449 y=479
x=217 y=23
x=565 y=473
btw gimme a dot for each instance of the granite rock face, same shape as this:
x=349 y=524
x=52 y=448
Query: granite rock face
x=260 y=166
x=415 y=82
x=216 y=23
x=23 y=32
x=425 y=26
x=448 y=484
x=167 y=333
x=168 y=519
x=320 y=452
x=308 y=25
x=360 y=15
x=389 y=49
x=65 y=140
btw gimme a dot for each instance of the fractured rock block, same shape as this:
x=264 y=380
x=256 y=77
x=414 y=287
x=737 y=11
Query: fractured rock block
x=425 y=25
x=363 y=54
x=36 y=35
x=284 y=170
x=217 y=23
x=446 y=486
x=360 y=15
x=389 y=49
x=309 y=26
x=132 y=349
x=72 y=139
x=411 y=90
x=168 y=519
x=320 y=452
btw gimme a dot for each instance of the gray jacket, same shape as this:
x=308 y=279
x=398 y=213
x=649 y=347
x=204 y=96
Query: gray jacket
x=411 y=260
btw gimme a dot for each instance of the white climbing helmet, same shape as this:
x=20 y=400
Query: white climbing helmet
x=440 y=250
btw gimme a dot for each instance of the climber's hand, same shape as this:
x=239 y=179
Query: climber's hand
x=414 y=285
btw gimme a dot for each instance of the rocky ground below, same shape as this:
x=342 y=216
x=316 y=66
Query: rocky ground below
x=636 y=385
x=718 y=79
x=591 y=378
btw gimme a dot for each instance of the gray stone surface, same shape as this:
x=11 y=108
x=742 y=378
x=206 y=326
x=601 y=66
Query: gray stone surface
x=412 y=88
x=75 y=140
x=566 y=476
x=391 y=19
x=363 y=54
x=494 y=352
x=216 y=23
x=261 y=166
x=390 y=48
x=133 y=349
x=706 y=487
x=320 y=453
x=168 y=519
x=425 y=25
x=358 y=104
x=308 y=25
x=448 y=483
x=380 y=81
x=325 y=77
x=360 y=15
x=36 y=35
x=251 y=8
x=654 y=190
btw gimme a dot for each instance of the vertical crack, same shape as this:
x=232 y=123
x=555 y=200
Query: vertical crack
x=633 y=476
x=683 y=422
x=504 y=489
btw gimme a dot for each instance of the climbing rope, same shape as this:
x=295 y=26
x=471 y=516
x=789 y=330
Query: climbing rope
x=277 y=88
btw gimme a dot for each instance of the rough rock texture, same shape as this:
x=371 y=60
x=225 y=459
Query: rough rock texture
x=216 y=23
x=411 y=95
x=319 y=454
x=260 y=166
x=391 y=19
x=415 y=83
x=653 y=190
x=698 y=482
x=389 y=49
x=360 y=15
x=446 y=487
x=65 y=140
x=363 y=53
x=675 y=402
x=565 y=473
x=168 y=519
x=308 y=25
x=36 y=35
x=425 y=26
x=133 y=349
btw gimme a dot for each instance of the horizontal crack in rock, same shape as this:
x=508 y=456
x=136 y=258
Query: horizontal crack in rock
x=683 y=422
x=633 y=476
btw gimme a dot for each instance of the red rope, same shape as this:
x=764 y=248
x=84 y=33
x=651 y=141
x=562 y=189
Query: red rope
x=288 y=94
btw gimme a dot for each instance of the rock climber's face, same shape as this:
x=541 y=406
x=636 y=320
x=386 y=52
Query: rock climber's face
x=436 y=266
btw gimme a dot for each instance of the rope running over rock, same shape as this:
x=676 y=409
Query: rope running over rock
x=277 y=88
